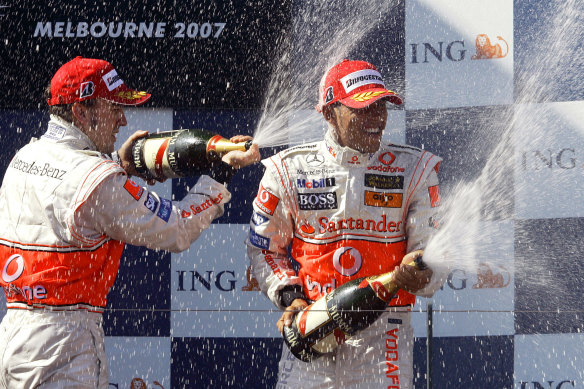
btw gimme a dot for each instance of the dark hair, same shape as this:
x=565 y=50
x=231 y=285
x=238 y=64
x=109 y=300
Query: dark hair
x=64 y=111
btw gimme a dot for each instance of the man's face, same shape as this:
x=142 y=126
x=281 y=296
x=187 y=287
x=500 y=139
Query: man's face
x=104 y=121
x=359 y=129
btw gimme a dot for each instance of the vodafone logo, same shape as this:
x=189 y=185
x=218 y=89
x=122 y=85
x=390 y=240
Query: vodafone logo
x=11 y=275
x=347 y=261
x=386 y=158
x=13 y=269
x=266 y=201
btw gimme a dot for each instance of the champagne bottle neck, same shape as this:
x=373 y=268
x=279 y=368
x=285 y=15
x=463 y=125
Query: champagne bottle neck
x=384 y=284
x=222 y=146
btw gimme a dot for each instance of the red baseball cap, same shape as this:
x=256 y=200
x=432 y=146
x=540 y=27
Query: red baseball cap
x=355 y=84
x=86 y=78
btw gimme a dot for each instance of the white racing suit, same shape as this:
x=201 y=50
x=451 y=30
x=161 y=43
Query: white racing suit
x=342 y=215
x=65 y=212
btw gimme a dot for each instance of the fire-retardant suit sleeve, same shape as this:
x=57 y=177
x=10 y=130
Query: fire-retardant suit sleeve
x=123 y=210
x=271 y=231
x=423 y=221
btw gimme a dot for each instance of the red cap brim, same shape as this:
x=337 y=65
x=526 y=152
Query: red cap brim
x=126 y=96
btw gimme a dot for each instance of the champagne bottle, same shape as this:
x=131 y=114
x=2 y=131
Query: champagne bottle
x=181 y=153
x=322 y=326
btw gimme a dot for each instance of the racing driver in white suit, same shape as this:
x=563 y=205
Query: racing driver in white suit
x=343 y=208
x=66 y=209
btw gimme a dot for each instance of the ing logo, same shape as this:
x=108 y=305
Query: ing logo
x=486 y=50
x=456 y=50
x=252 y=282
x=489 y=278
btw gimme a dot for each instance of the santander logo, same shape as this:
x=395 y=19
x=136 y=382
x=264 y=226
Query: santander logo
x=307 y=228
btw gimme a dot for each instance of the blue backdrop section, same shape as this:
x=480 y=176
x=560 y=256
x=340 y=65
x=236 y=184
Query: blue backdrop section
x=467 y=138
x=533 y=22
x=181 y=70
x=466 y=362
x=17 y=129
x=548 y=276
x=139 y=301
x=224 y=362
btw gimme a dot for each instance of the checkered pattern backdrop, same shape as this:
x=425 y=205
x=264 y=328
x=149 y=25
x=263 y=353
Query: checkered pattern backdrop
x=195 y=319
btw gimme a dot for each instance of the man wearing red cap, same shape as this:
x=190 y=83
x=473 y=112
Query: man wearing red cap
x=66 y=209
x=344 y=208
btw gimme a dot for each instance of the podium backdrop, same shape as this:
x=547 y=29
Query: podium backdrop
x=475 y=75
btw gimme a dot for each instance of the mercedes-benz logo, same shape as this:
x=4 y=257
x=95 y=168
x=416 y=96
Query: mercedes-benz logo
x=315 y=159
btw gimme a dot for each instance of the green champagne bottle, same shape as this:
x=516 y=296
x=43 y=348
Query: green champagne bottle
x=181 y=153
x=322 y=326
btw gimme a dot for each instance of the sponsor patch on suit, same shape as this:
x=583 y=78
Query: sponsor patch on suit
x=384 y=182
x=259 y=241
x=385 y=200
x=315 y=201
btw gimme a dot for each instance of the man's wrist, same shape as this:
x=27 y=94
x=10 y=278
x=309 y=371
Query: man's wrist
x=290 y=293
x=116 y=157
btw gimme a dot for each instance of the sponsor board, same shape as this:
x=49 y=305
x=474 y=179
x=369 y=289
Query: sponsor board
x=549 y=361
x=478 y=295
x=149 y=358
x=459 y=53
x=115 y=29
x=549 y=160
x=210 y=282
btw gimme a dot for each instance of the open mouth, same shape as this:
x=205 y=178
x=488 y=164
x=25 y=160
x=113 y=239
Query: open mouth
x=372 y=130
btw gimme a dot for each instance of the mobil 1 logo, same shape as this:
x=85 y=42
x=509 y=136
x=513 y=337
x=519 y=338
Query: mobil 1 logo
x=315 y=201
x=315 y=183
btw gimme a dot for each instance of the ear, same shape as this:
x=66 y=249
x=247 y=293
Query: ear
x=80 y=114
x=329 y=114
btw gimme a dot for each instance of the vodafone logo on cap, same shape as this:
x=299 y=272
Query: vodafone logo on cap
x=11 y=275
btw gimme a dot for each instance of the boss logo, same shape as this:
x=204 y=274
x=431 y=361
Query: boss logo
x=313 y=201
